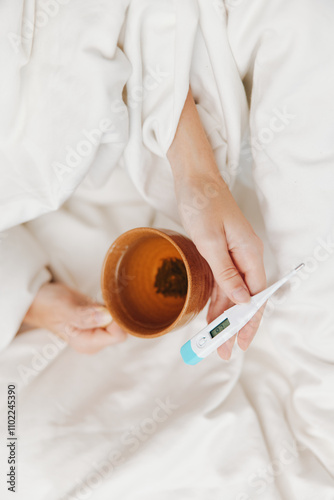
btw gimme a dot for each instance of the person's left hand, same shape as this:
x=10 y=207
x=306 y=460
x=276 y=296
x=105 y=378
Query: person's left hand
x=86 y=325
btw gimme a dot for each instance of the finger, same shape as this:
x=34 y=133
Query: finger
x=252 y=264
x=90 y=316
x=116 y=331
x=250 y=261
x=224 y=270
x=247 y=333
x=92 y=341
x=219 y=303
x=225 y=350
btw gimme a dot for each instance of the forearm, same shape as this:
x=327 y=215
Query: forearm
x=190 y=155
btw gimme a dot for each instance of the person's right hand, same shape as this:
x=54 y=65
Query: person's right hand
x=86 y=325
x=225 y=238
x=215 y=223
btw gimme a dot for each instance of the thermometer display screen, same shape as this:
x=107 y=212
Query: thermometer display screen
x=219 y=328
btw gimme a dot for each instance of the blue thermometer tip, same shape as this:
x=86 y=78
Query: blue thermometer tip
x=188 y=355
x=228 y=324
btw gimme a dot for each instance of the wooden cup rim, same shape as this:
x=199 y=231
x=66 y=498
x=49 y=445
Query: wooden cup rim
x=164 y=234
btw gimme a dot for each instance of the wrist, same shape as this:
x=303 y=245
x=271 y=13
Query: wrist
x=35 y=313
x=197 y=173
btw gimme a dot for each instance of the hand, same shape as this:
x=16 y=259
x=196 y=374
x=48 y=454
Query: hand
x=214 y=222
x=84 y=324
x=224 y=237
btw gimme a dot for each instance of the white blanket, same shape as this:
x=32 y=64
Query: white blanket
x=134 y=422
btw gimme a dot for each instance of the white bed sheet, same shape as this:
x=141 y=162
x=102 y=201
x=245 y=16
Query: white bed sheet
x=91 y=427
x=262 y=425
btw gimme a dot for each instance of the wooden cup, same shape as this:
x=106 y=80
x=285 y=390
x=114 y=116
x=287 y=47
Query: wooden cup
x=128 y=277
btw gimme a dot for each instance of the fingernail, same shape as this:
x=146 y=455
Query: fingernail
x=102 y=316
x=244 y=347
x=225 y=354
x=241 y=295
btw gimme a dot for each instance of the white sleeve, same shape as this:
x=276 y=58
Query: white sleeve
x=22 y=272
x=158 y=41
x=170 y=46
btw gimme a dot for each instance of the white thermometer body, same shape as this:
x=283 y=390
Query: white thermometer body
x=228 y=324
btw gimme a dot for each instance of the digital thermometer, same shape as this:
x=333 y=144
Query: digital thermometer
x=228 y=324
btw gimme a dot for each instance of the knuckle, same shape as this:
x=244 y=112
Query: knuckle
x=255 y=242
x=207 y=243
x=253 y=245
x=229 y=273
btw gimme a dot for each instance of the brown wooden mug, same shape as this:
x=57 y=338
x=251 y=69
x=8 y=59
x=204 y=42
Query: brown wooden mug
x=154 y=280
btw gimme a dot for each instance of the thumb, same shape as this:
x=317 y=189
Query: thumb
x=91 y=316
x=230 y=280
x=224 y=271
